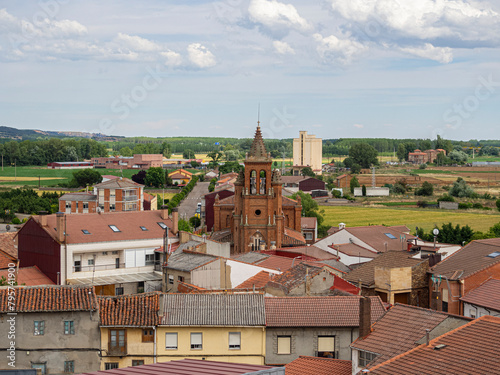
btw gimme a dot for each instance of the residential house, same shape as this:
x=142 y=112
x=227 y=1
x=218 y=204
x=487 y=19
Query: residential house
x=120 y=194
x=114 y=251
x=399 y=330
x=55 y=327
x=394 y=276
x=309 y=227
x=29 y=276
x=195 y=367
x=484 y=300
x=128 y=328
x=462 y=272
x=306 y=365
x=180 y=177
x=469 y=349
x=216 y=327
x=302 y=183
x=138 y=161
x=427 y=156
x=314 y=326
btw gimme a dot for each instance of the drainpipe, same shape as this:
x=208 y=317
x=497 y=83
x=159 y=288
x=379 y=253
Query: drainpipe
x=154 y=347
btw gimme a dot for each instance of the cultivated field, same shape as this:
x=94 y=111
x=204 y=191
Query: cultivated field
x=422 y=218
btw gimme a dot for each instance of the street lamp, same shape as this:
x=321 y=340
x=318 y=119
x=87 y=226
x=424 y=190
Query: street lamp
x=435 y=232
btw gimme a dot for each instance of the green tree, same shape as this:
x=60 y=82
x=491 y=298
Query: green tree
x=458 y=157
x=231 y=155
x=498 y=204
x=354 y=183
x=195 y=221
x=363 y=154
x=184 y=226
x=155 y=177
x=401 y=153
x=188 y=154
x=425 y=190
x=444 y=144
x=425 y=144
x=195 y=164
x=216 y=157
x=86 y=177
x=230 y=166
x=307 y=171
x=166 y=150
x=126 y=151
x=460 y=189
x=363 y=190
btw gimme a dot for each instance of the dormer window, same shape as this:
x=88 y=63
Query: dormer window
x=114 y=228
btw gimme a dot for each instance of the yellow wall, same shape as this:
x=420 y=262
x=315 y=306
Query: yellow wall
x=136 y=349
x=215 y=344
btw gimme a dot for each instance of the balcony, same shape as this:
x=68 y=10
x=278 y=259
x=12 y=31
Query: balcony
x=99 y=267
x=128 y=198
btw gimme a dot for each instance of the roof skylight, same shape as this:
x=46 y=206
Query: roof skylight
x=114 y=228
x=162 y=225
x=390 y=235
x=494 y=255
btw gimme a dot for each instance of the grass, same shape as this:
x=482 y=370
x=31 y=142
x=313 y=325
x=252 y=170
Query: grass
x=432 y=171
x=422 y=218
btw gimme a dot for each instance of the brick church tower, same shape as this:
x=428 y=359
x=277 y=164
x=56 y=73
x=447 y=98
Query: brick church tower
x=258 y=216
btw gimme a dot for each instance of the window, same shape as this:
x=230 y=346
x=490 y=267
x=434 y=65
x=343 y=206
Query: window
x=148 y=335
x=78 y=266
x=68 y=204
x=234 y=340
x=69 y=366
x=170 y=279
x=326 y=346
x=308 y=236
x=171 y=341
x=364 y=358
x=90 y=262
x=114 y=228
x=110 y=365
x=39 y=327
x=41 y=366
x=69 y=327
x=180 y=279
x=137 y=362
x=162 y=225
x=143 y=228
x=494 y=255
x=196 y=341
x=117 y=341
x=85 y=231
x=284 y=344
x=390 y=235
x=150 y=259
x=112 y=208
x=85 y=205
x=119 y=291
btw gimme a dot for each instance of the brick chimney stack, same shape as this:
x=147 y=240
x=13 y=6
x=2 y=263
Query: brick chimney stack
x=364 y=316
x=60 y=226
x=175 y=220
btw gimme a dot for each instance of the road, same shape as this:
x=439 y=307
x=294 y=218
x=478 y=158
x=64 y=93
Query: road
x=188 y=206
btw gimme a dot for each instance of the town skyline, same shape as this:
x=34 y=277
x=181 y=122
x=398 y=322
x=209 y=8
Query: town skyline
x=335 y=69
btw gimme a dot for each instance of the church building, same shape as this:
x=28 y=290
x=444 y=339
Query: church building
x=257 y=216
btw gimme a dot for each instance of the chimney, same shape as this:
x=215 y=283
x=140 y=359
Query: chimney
x=427 y=337
x=164 y=212
x=175 y=220
x=364 y=316
x=60 y=226
x=43 y=218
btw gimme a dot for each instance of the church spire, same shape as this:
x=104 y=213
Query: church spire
x=258 y=149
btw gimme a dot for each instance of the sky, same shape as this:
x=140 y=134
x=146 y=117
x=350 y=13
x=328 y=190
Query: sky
x=335 y=68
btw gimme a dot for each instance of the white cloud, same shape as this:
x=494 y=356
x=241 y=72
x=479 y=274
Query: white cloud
x=277 y=18
x=172 y=58
x=359 y=126
x=332 y=49
x=283 y=48
x=200 y=56
x=136 y=43
x=428 y=51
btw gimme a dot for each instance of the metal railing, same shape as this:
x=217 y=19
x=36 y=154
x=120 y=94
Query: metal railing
x=99 y=267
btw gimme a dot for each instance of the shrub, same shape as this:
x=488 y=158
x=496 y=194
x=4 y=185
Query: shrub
x=446 y=198
x=363 y=190
x=464 y=206
x=16 y=221
x=422 y=204
x=426 y=190
x=336 y=194
x=422 y=166
x=498 y=204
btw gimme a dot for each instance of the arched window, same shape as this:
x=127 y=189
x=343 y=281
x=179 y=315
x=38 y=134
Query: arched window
x=253 y=182
x=262 y=187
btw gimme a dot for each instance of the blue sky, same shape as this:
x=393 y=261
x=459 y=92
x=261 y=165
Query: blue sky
x=336 y=68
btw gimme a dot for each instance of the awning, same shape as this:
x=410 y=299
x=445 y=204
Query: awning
x=116 y=279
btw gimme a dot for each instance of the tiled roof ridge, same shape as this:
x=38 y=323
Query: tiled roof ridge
x=324 y=359
x=433 y=341
x=146 y=294
x=482 y=242
x=140 y=310
x=325 y=265
x=431 y=310
x=482 y=269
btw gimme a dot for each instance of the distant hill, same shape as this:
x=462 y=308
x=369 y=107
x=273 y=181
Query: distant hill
x=22 y=134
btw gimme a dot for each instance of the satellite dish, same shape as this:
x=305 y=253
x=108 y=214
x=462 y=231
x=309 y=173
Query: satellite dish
x=435 y=231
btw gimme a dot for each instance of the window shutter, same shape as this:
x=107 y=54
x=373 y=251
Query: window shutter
x=284 y=345
x=326 y=344
x=234 y=340
x=171 y=340
x=445 y=295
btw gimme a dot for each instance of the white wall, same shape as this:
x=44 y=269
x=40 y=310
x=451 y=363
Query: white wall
x=478 y=311
x=243 y=271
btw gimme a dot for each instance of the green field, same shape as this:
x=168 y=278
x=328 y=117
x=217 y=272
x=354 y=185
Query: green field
x=422 y=218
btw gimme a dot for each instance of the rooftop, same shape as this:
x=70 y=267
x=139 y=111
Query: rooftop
x=475 y=256
x=78 y=197
x=293 y=277
x=321 y=311
x=139 y=310
x=186 y=261
x=29 y=276
x=308 y=222
x=259 y=280
x=305 y=365
x=469 y=349
x=8 y=244
x=50 y=298
x=486 y=295
x=213 y=310
x=118 y=183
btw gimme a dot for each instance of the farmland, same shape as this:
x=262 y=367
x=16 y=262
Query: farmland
x=422 y=218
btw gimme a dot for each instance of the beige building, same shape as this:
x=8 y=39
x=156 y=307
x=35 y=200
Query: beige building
x=308 y=151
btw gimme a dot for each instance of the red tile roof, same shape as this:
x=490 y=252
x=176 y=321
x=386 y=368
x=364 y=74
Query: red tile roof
x=118 y=183
x=469 y=349
x=277 y=262
x=140 y=310
x=308 y=222
x=258 y=281
x=128 y=223
x=51 y=298
x=399 y=330
x=8 y=244
x=293 y=277
x=470 y=259
x=322 y=311
x=311 y=251
x=486 y=295
x=375 y=236
x=29 y=276
x=353 y=250
x=186 y=367
x=6 y=260
x=292 y=237
x=305 y=365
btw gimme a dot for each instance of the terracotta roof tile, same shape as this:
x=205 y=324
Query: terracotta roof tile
x=486 y=295
x=289 y=202
x=258 y=281
x=6 y=259
x=276 y=262
x=391 y=259
x=51 y=298
x=322 y=311
x=308 y=222
x=399 y=330
x=118 y=183
x=318 y=366
x=140 y=310
x=293 y=277
x=469 y=260
x=469 y=349
x=292 y=237
x=375 y=236
x=353 y=250
x=311 y=251
x=29 y=276
x=8 y=244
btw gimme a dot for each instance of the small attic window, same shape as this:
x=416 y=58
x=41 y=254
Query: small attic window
x=85 y=231
x=143 y=228
x=162 y=225
x=493 y=255
x=114 y=228
x=390 y=235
